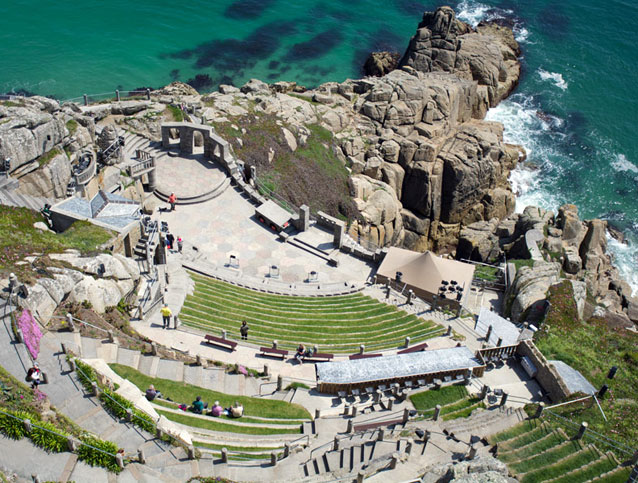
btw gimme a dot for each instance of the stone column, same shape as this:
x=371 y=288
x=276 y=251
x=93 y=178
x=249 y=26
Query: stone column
x=394 y=461
x=286 y=450
x=407 y=342
x=141 y=457
x=191 y=452
x=472 y=453
x=117 y=95
x=539 y=410
x=409 y=446
x=304 y=218
x=152 y=180
x=406 y=415
x=339 y=232
x=381 y=434
x=224 y=455
x=166 y=137
x=437 y=412
x=119 y=459
x=350 y=426
x=27 y=425
x=362 y=348
x=69 y=320
x=280 y=382
x=361 y=475
x=483 y=392
x=581 y=431
x=96 y=390
x=186 y=140
x=504 y=398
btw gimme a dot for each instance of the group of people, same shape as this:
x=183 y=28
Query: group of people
x=199 y=407
x=171 y=243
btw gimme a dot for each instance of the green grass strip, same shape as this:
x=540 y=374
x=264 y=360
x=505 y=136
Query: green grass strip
x=546 y=458
x=445 y=395
x=525 y=439
x=599 y=468
x=575 y=461
x=238 y=449
x=464 y=412
x=543 y=444
x=186 y=393
x=514 y=431
x=620 y=475
x=213 y=425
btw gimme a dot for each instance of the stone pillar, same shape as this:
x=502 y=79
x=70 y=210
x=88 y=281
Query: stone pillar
x=346 y=410
x=484 y=390
x=471 y=453
x=350 y=426
x=72 y=444
x=361 y=475
x=129 y=415
x=27 y=425
x=148 y=94
x=117 y=95
x=141 y=457
x=394 y=461
x=396 y=388
x=335 y=444
x=410 y=296
x=409 y=446
x=224 y=333
x=339 y=233
x=19 y=336
x=489 y=333
x=69 y=320
x=381 y=434
x=152 y=180
x=317 y=413
x=199 y=361
x=354 y=409
x=581 y=431
x=407 y=342
x=286 y=450
x=186 y=140
x=224 y=455
x=504 y=398
x=378 y=394
x=280 y=383
x=166 y=137
x=539 y=410
x=154 y=348
x=36 y=479
x=111 y=336
x=158 y=433
x=437 y=412
x=499 y=342
x=266 y=370
x=191 y=452
x=304 y=218
x=86 y=100
x=95 y=389
x=274 y=344
x=390 y=404
x=362 y=348
x=449 y=331
x=406 y=415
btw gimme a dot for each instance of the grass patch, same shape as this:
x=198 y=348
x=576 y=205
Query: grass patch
x=463 y=409
x=546 y=458
x=72 y=126
x=514 y=431
x=20 y=239
x=174 y=113
x=525 y=438
x=297 y=385
x=186 y=393
x=445 y=395
x=575 y=461
x=532 y=449
x=213 y=425
x=48 y=156
x=592 y=347
x=491 y=274
x=520 y=263
x=307 y=99
x=335 y=324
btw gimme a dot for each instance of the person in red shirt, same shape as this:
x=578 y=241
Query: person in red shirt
x=172 y=199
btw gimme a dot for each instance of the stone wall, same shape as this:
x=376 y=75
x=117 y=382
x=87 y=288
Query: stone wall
x=547 y=375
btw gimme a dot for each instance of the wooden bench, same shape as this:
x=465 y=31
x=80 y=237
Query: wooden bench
x=319 y=357
x=414 y=348
x=269 y=351
x=375 y=425
x=229 y=344
x=363 y=356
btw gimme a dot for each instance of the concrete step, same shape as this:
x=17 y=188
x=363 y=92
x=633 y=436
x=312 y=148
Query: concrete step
x=209 y=195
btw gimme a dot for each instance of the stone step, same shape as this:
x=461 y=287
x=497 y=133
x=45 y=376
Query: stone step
x=254 y=441
x=230 y=422
x=239 y=439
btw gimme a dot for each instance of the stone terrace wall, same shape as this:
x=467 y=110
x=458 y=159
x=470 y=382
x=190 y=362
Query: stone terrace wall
x=547 y=375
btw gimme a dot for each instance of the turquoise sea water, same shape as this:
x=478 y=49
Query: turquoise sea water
x=574 y=110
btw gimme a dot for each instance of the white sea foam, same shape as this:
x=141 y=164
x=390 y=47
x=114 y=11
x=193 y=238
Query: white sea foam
x=555 y=77
x=471 y=12
x=521 y=34
x=625 y=257
x=621 y=163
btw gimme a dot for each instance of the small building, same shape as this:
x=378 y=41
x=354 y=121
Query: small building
x=444 y=364
x=110 y=211
x=434 y=279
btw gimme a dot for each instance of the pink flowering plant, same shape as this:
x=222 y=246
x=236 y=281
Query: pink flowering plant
x=31 y=332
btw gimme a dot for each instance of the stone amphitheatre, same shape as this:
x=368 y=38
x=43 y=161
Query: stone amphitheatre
x=417 y=366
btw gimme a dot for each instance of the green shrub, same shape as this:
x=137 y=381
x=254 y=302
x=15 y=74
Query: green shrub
x=103 y=456
x=11 y=427
x=72 y=126
x=48 y=437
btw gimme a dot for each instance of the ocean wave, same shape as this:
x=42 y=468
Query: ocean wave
x=625 y=256
x=521 y=34
x=472 y=12
x=621 y=163
x=556 y=77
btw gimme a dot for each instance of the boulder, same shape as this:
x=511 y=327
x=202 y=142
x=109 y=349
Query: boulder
x=100 y=293
x=255 y=86
x=177 y=88
x=39 y=302
x=530 y=286
x=380 y=63
x=290 y=139
x=594 y=245
x=572 y=229
x=50 y=181
x=572 y=262
x=478 y=242
x=580 y=296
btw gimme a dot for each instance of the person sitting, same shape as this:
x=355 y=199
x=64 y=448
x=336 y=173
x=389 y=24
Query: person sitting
x=152 y=393
x=237 y=410
x=198 y=405
x=301 y=350
x=33 y=375
x=216 y=410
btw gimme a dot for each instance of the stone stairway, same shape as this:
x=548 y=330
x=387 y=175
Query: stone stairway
x=484 y=422
x=67 y=394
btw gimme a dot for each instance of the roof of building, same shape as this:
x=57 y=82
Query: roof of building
x=501 y=328
x=573 y=379
x=396 y=366
x=425 y=271
x=109 y=209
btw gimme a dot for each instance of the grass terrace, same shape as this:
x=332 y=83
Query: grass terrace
x=536 y=451
x=454 y=401
x=336 y=324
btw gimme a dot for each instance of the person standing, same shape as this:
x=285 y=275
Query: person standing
x=172 y=199
x=243 y=330
x=166 y=315
x=33 y=375
x=180 y=244
x=170 y=239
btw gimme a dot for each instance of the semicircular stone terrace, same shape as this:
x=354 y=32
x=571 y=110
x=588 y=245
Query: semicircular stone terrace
x=336 y=324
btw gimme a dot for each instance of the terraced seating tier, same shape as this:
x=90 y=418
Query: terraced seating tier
x=524 y=439
x=585 y=473
x=569 y=463
x=338 y=323
x=548 y=441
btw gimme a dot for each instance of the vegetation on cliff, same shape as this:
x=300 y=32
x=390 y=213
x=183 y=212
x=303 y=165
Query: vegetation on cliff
x=311 y=175
x=593 y=347
x=20 y=239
